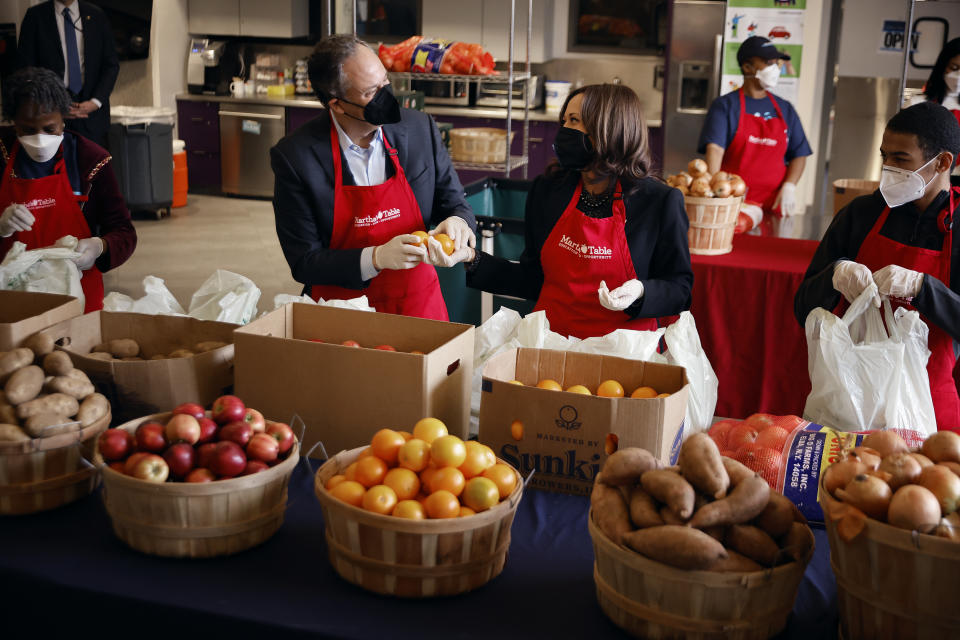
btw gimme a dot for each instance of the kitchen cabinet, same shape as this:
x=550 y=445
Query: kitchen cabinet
x=198 y=125
x=255 y=18
x=214 y=17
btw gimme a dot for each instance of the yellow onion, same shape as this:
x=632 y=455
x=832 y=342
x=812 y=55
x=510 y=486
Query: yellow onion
x=885 y=443
x=914 y=508
x=942 y=446
x=903 y=469
x=922 y=459
x=697 y=167
x=870 y=494
x=722 y=189
x=944 y=484
x=839 y=474
x=868 y=456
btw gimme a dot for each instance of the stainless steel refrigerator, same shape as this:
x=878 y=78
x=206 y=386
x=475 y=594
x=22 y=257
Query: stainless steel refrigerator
x=693 y=64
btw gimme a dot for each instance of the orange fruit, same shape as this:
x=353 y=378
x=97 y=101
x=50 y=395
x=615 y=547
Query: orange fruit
x=446 y=243
x=407 y=436
x=429 y=429
x=350 y=492
x=663 y=395
x=491 y=456
x=409 y=509
x=481 y=493
x=334 y=481
x=423 y=235
x=422 y=497
x=442 y=504
x=610 y=389
x=447 y=479
x=366 y=452
x=404 y=483
x=414 y=455
x=549 y=384
x=448 y=451
x=350 y=473
x=385 y=444
x=425 y=477
x=476 y=460
x=579 y=388
x=380 y=499
x=370 y=471
x=516 y=430
x=516 y=382
x=504 y=477
x=612 y=443
x=644 y=392
x=466 y=511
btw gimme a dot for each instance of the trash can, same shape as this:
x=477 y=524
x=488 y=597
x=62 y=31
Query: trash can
x=141 y=142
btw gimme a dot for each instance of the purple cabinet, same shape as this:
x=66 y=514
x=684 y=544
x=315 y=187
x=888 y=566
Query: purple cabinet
x=299 y=116
x=198 y=125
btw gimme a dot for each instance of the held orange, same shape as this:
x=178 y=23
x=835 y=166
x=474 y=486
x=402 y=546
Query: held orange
x=370 y=471
x=429 y=429
x=404 y=483
x=447 y=479
x=549 y=384
x=448 y=451
x=644 y=392
x=410 y=509
x=385 y=445
x=481 y=493
x=334 y=481
x=504 y=477
x=442 y=504
x=423 y=235
x=446 y=243
x=610 y=389
x=579 y=388
x=380 y=499
x=414 y=455
x=516 y=430
x=350 y=492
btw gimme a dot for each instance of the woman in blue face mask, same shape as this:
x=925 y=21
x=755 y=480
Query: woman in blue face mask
x=56 y=183
x=901 y=238
x=606 y=243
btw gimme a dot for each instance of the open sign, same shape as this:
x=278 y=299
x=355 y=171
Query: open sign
x=892 y=37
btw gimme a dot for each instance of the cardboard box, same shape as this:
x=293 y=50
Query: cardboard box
x=142 y=388
x=23 y=313
x=846 y=189
x=564 y=435
x=345 y=394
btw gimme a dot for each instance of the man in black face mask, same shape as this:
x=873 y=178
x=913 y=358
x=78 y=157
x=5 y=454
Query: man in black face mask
x=354 y=184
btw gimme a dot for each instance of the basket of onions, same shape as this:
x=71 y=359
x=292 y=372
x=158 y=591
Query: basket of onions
x=712 y=203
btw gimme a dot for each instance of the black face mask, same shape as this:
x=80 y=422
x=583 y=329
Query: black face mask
x=383 y=109
x=573 y=148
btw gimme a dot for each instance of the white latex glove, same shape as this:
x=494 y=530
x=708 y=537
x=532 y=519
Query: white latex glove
x=89 y=249
x=15 y=217
x=402 y=252
x=621 y=297
x=851 y=278
x=458 y=230
x=787 y=199
x=898 y=282
x=438 y=258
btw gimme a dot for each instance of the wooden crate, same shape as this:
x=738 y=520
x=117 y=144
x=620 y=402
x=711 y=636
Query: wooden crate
x=712 y=223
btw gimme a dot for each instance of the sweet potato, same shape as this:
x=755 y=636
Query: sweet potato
x=701 y=464
x=717 y=533
x=669 y=517
x=627 y=465
x=747 y=500
x=752 y=542
x=57 y=364
x=44 y=425
x=13 y=360
x=736 y=470
x=53 y=403
x=78 y=389
x=670 y=488
x=12 y=433
x=610 y=511
x=643 y=509
x=100 y=355
x=797 y=543
x=680 y=547
x=93 y=408
x=735 y=563
x=124 y=347
x=209 y=345
x=40 y=343
x=24 y=384
x=777 y=516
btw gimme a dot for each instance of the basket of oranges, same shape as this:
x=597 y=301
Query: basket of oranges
x=418 y=514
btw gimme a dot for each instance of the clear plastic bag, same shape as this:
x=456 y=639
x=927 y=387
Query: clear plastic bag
x=225 y=297
x=157 y=300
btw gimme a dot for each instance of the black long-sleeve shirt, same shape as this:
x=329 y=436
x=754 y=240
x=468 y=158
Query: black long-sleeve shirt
x=939 y=303
x=656 y=231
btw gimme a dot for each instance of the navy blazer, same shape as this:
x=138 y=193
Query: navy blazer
x=303 y=193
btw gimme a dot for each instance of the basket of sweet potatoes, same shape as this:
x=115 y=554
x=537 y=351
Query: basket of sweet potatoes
x=703 y=549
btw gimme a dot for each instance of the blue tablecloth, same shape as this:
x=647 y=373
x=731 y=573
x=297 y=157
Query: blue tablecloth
x=65 y=570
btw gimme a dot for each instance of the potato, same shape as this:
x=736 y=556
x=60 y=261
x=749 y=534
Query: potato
x=44 y=425
x=75 y=388
x=124 y=347
x=209 y=345
x=701 y=464
x=40 y=343
x=643 y=509
x=53 y=403
x=752 y=542
x=627 y=465
x=12 y=433
x=8 y=414
x=797 y=543
x=100 y=355
x=681 y=547
x=103 y=347
x=182 y=353
x=13 y=360
x=57 y=364
x=610 y=511
x=77 y=374
x=93 y=408
x=24 y=384
x=747 y=500
x=670 y=488
x=735 y=563
x=777 y=516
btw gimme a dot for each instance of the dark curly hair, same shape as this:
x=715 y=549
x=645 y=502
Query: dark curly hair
x=40 y=86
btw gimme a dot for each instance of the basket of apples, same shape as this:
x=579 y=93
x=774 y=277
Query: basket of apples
x=195 y=483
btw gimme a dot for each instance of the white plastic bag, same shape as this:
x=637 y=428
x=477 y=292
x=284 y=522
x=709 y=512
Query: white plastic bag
x=225 y=297
x=46 y=270
x=864 y=379
x=157 y=300
x=684 y=350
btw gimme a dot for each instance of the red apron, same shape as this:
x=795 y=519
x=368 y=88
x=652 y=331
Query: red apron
x=877 y=252
x=579 y=253
x=370 y=216
x=756 y=154
x=54 y=205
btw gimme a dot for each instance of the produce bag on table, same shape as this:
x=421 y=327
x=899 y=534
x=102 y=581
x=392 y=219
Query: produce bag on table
x=46 y=270
x=865 y=375
x=157 y=300
x=225 y=297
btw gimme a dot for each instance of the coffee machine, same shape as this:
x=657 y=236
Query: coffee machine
x=212 y=65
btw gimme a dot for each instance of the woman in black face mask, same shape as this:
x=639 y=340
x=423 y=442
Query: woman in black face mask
x=606 y=243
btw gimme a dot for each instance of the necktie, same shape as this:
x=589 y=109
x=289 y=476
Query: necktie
x=75 y=83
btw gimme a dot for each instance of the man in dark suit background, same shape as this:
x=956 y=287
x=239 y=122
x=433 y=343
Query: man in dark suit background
x=74 y=40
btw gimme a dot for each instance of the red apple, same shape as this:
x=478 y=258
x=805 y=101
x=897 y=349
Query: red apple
x=239 y=432
x=384 y=347
x=183 y=428
x=263 y=447
x=191 y=409
x=117 y=466
x=151 y=468
x=181 y=458
x=254 y=466
x=255 y=419
x=350 y=343
x=116 y=444
x=208 y=430
x=228 y=459
x=283 y=434
x=200 y=475
x=205 y=454
x=150 y=437
x=228 y=409
x=132 y=461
